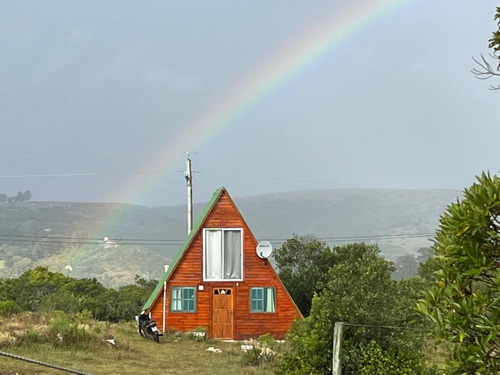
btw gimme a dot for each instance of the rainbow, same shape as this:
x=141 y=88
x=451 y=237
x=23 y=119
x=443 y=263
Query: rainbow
x=258 y=83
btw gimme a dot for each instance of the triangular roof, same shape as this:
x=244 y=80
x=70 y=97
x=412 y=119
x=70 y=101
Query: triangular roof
x=206 y=211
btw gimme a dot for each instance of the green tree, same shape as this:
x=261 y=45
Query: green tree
x=464 y=303
x=406 y=266
x=427 y=270
x=303 y=264
x=27 y=196
x=60 y=300
x=360 y=292
x=33 y=286
x=484 y=69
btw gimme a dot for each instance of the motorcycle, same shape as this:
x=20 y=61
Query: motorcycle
x=148 y=328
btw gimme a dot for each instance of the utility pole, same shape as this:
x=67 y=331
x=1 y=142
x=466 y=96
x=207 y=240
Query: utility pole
x=338 y=332
x=188 y=175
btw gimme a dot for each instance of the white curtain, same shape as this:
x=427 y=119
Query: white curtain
x=270 y=300
x=213 y=254
x=176 y=299
x=232 y=254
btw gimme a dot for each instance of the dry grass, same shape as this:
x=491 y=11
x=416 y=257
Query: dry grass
x=132 y=354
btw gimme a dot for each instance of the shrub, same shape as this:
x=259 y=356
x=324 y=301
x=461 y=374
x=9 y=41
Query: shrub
x=266 y=340
x=35 y=337
x=307 y=352
x=67 y=330
x=263 y=351
x=252 y=357
x=376 y=361
x=8 y=308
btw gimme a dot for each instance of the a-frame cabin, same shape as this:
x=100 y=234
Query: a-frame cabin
x=220 y=283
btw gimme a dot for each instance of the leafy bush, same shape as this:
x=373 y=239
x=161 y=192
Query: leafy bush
x=8 y=308
x=67 y=330
x=263 y=351
x=376 y=361
x=266 y=340
x=252 y=357
x=307 y=351
x=35 y=337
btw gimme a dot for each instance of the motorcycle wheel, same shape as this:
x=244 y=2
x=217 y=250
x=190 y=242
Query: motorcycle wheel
x=157 y=337
x=142 y=333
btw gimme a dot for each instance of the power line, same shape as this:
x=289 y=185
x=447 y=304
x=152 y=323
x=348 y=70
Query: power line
x=172 y=241
x=95 y=243
x=83 y=238
x=367 y=238
x=92 y=174
x=87 y=240
x=83 y=174
x=65 y=156
x=339 y=238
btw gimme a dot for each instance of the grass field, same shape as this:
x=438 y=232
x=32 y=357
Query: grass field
x=175 y=354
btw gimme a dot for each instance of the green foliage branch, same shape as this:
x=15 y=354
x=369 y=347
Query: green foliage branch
x=495 y=38
x=464 y=303
x=484 y=69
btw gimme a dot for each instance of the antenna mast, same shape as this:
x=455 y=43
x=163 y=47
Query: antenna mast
x=188 y=175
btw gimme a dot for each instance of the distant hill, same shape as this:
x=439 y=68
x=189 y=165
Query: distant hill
x=403 y=217
x=69 y=237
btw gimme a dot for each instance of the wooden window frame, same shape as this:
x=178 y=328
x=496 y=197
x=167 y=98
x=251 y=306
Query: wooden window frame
x=264 y=289
x=242 y=240
x=182 y=300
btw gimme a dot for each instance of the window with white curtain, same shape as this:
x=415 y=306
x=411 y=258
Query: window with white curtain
x=263 y=300
x=223 y=254
x=183 y=299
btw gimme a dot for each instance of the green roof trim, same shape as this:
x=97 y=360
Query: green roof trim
x=183 y=249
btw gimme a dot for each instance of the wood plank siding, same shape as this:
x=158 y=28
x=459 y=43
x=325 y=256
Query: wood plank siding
x=241 y=323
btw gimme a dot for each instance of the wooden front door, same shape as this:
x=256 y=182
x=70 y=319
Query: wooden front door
x=222 y=313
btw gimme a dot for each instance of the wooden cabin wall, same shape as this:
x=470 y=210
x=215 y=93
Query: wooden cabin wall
x=256 y=273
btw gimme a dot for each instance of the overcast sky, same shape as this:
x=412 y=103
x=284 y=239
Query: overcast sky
x=100 y=100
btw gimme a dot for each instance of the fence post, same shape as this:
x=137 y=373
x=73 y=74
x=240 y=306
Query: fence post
x=338 y=332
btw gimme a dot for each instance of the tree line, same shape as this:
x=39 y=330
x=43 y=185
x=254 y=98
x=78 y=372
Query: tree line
x=20 y=197
x=40 y=290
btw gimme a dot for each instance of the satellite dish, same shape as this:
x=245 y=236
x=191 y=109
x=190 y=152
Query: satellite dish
x=264 y=249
